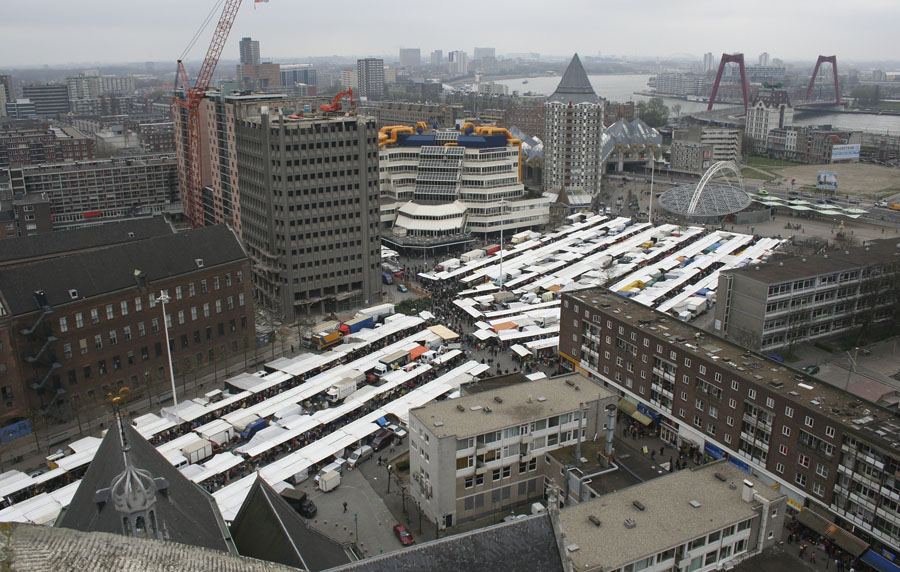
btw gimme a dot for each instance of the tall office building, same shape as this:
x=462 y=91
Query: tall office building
x=573 y=131
x=764 y=59
x=292 y=74
x=437 y=58
x=410 y=57
x=709 y=62
x=249 y=51
x=370 y=72
x=49 y=99
x=309 y=211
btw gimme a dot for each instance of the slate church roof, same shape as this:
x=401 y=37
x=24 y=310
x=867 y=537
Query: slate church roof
x=268 y=528
x=186 y=513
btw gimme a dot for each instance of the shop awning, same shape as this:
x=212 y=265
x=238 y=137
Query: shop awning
x=818 y=523
x=630 y=408
x=879 y=562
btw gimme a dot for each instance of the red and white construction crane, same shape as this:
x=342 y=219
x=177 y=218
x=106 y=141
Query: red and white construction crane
x=192 y=192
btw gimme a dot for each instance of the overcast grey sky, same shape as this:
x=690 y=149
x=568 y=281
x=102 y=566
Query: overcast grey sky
x=38 y=32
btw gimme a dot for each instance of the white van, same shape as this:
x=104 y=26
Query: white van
x=359 y=455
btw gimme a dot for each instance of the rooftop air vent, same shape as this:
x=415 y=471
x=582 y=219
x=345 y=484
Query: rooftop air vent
x=629 y=523
x=487 y=409
x=498 y=399
x=475 y=407
x=639 y=505
x=595 y=521
x=570 y=383
x=130 y=235
x=721 y=477
x=695 y=504
x=199 y=262
x=73 y=294
x=572 y=548
x=542 y=399
x=438 y=423
x=776 y=384
x=460 y=407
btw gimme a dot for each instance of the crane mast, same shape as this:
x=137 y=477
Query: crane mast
x=192 y=192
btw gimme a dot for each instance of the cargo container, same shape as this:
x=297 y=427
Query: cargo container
x=378 y=313
x=357 y=324
x=492 y=249
x=329 y=481
x=449 y=264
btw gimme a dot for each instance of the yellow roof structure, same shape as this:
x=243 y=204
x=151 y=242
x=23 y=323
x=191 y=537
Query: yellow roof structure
x=444 y=332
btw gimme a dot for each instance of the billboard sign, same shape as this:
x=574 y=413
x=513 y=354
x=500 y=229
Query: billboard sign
x=827 y=180
x=845 y=152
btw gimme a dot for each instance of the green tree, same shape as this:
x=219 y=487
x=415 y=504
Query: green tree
x=867 y=96
x=654 y=112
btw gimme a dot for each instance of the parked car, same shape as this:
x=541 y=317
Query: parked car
x=403 y=535
x=811 y=369
x=402 y=288
x=398 y=431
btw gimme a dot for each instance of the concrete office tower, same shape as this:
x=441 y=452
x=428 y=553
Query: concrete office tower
x=709 y=62
x=764 y=59
x=370 y=72
x=573 y=131
x=410 y=57
x=48 y=99
x=249 y=51
x=437 y=58
x=309 y=211
x=6 y=86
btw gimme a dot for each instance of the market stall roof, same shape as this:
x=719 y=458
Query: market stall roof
x=444 y=332
x=520 y=350
x=503 y=326
x=417 y=351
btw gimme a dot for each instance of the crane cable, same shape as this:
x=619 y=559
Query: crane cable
x=199 y=32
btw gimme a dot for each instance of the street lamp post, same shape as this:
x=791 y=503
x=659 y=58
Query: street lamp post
x=164 y=298
x=502 y=208
x=356 y=523
x=652 y=169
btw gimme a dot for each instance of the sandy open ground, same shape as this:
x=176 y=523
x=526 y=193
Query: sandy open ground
x=853 y=178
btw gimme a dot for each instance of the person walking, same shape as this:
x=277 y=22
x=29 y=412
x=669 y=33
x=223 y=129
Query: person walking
x=345 y=506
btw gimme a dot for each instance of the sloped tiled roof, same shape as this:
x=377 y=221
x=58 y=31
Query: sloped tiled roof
x=575 y=87
x=101 y=271
x=525 y=544
x=266 y=527
x=186 y=512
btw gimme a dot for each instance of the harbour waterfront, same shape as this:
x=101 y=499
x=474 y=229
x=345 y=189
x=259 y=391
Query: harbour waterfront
x=625 y=87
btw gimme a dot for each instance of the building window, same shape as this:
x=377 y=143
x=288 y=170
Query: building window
x=800 y=479
x=98 y=341
x=113 y=338
x=822 y=470
x=204 y=288
x=734 y=385
x=178 y=295
x=79 y=320
x=95 y=316
x=123 y=306
x=818 y=489
x=785 y=430
x=67 y=350
x=732 y=403
x=788 y=411
x=803 y=461
x=109 y=312
x=729 y=420
x=63 y=324
x=180 y=317
x=138 y=305
x=808 y=421
x=829 y=432
x=702 y=370
x=751 y=393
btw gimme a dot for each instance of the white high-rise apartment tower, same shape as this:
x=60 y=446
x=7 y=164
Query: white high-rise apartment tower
x=573 y=118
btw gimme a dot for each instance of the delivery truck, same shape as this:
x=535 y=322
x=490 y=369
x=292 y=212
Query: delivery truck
x=357 y=324
x=324 y=340
x=340 y=390
x=329 y=481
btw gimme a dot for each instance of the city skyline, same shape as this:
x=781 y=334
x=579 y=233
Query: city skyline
x=106 y=32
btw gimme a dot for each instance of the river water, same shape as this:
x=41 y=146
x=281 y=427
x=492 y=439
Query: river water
x=623 y=87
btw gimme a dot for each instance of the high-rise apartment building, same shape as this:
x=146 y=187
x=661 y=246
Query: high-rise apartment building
x=350 y=79
x=484 y=53
x=309 y=211
x=49 y=99
x=764 y=59
x=459 y=62
x=437 y=58
x=709 y=62
x=574 y=128
x=20 y=147
x=249 y=51
x=370 y=75
x=83 y=87
x=6 y=86
x=410 y=57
